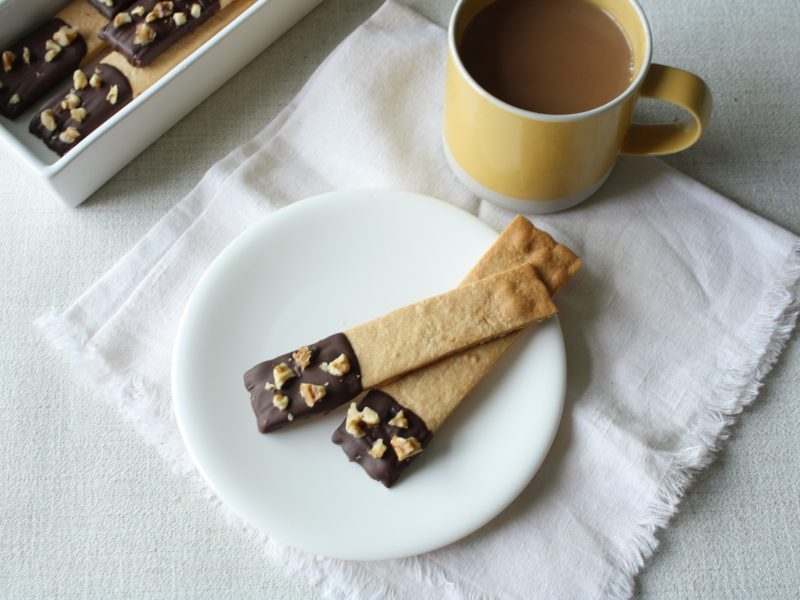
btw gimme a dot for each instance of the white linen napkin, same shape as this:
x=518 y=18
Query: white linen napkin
x=682 y=306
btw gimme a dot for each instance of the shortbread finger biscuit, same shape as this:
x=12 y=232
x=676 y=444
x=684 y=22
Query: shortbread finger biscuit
x=58 y=128
x=47 y=56
x=434 y=392
x=521 y=242
x=294 y=386
x=411 y=409
x=416 y=335
x=151 y=27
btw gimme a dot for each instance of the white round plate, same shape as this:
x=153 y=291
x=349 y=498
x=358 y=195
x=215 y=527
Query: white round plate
x=317 y=267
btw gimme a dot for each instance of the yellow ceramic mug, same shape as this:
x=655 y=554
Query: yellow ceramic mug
x=538 y=163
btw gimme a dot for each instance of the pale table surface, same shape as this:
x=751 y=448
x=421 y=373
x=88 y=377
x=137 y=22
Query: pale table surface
x=88 y=510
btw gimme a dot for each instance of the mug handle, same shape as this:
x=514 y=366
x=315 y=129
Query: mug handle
x=678 y=87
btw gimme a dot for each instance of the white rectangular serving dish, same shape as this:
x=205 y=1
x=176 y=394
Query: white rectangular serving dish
x=75 y=176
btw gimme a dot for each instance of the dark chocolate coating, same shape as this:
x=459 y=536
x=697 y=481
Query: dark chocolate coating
x=121 y=39
x=98 y=109
x=338 y=389
x=387 y=468
x=109 y=11
x=31 y=81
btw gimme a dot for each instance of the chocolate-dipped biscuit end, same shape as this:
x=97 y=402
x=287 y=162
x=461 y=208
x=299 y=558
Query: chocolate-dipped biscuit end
x=93 y=98
x=311 y=380
x=36 y=63
x=382 y=436
x=150 y=27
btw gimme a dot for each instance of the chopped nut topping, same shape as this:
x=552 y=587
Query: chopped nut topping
x=282 y=373
x=405 y=448
x=179 y=18
x=53 y=50
x=26 y=55
x=78 y=114
x=65 y=36
x=399 y=420
x=79 y=80
x=302 y=357
x=121 y=20
x=341 y=363
x=138 y=11
x=378 y=449
x=337 y=367
x=369 y=416
x=8 y=60
x=108 y=3
x=95 y=81
x=69 y=135
x=355 y=417
x=312 y=393
x=269 y=386
x=113 y=94
x=15 y=99
x=144 y=35
x=196 y=10
x=352 y=421
x=280 y=401
x=70 y=101
x=161 y=10
x=290 y=417
x=48 y=120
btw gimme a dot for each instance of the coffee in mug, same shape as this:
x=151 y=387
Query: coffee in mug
x=548 y=56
